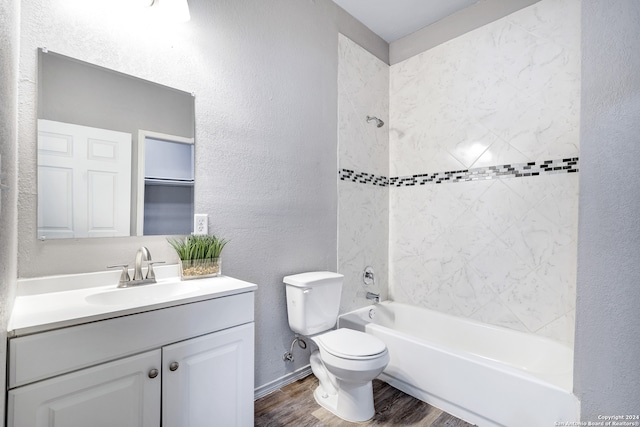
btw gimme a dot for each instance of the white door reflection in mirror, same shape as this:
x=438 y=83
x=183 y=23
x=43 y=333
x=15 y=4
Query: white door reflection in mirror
x=84 y=181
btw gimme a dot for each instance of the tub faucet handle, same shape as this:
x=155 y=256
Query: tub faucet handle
x=367 y=276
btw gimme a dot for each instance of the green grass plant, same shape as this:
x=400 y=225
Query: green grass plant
x=198 y=247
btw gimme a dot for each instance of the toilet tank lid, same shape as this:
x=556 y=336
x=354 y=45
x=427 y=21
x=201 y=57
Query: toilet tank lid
x=313 y=278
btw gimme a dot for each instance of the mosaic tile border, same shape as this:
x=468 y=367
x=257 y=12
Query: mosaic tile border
x=512 y=170
x=363 y=177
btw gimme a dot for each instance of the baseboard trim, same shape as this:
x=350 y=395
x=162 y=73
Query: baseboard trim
x=278 y=383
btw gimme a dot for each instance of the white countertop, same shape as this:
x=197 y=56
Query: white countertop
x=55 y=302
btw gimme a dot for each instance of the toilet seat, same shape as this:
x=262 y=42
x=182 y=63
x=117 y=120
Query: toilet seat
x=350 y=344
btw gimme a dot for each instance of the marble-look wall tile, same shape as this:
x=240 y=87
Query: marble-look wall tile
x=501 y=251
x=363 y=90
x=508 y=92
x=363 y=206
x=363 y=219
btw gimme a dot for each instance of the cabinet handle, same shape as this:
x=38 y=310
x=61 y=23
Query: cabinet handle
x=174 y=366
x=153 y=373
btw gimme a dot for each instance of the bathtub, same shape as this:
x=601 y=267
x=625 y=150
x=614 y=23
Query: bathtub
x=486 y=375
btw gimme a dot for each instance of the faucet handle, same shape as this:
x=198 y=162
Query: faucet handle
x=124 y=276
x=150 y=273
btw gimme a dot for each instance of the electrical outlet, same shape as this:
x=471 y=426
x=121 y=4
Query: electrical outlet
x=200 y=224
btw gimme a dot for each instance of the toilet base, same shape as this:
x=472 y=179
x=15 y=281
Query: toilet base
x=353 y=402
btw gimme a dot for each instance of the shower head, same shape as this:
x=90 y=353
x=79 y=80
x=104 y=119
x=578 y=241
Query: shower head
x=379 y=123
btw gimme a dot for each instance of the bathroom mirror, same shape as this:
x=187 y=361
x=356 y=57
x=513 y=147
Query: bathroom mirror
x=115 y=153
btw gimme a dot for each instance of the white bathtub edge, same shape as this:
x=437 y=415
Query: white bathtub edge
x=444 y=405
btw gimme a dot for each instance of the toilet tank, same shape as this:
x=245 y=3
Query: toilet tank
x=313 y=301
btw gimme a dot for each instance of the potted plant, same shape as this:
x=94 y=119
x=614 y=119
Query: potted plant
x=199 y=255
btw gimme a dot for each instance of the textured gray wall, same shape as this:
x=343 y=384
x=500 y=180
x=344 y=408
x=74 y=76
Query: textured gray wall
x=265 y=78
x=607 y=345
x=9 y=43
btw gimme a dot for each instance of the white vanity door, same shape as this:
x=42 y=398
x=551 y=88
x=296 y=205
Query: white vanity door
x=84 y=181
x=120 y=393
x=208 y=381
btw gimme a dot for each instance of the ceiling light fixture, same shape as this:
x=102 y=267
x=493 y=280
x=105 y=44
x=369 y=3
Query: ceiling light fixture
x=175 y=10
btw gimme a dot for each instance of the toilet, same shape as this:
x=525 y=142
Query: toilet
x=345 y=361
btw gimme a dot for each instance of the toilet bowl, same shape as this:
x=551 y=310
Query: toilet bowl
x=345 y=361
x=345 y=364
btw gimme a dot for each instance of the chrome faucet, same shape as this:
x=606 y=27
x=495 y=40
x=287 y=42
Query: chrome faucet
x=373 y=296
x=143 y=252
x=126 y=281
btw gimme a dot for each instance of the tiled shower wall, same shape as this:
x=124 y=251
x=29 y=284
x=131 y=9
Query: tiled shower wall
x=363 y=214
x=473 y=189
x=500 y=248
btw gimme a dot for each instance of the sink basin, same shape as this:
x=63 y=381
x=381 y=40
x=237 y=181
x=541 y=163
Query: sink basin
x=142 y=294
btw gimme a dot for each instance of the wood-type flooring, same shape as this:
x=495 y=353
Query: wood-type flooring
x=294 y=405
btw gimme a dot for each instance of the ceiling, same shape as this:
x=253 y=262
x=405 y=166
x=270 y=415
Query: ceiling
x=394 y=19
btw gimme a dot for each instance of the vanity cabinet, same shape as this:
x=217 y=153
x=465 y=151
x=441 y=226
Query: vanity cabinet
x=118 y=393
x=184 y=366
x=191 y=399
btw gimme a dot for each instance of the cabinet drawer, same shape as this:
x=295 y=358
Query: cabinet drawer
x=39 y=356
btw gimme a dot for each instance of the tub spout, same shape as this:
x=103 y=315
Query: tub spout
x=373 y=296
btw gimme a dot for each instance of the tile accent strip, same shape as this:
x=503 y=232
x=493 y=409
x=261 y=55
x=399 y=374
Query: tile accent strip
x=363 y=177
x=513 y=170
